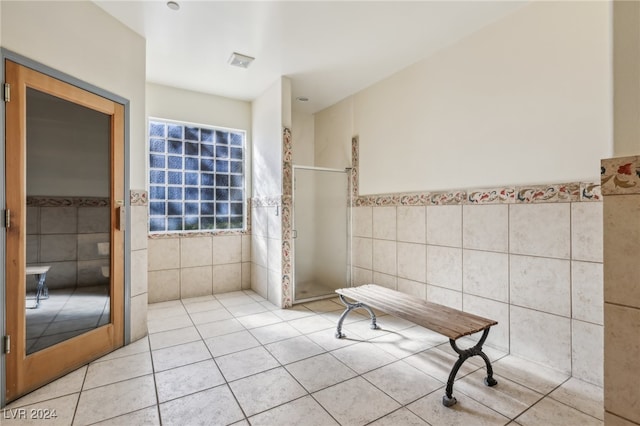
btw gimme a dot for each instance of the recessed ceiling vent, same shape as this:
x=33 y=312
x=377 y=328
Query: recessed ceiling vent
x=240 y=60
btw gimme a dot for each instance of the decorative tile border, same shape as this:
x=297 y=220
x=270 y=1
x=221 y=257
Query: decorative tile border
x=620 y=175
x=266 y=201
x=139 y=197
x=36 y=201
x=287 y=218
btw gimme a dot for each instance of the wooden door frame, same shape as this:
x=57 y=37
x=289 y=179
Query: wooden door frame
x=66 y=78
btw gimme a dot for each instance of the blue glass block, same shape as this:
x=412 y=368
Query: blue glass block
x=191 y=148
x=190 y=163
x=157 y=193
x=191 y=223
x=236 y=194
x=222 y=180
x=174 y=208
x=174 y=193
x=157 y=209
x=174 y=224
x=237 y=139
x=222 y=138
x=191 y=193
x=206 y=165
x=237 y=222
x=236 y=166
x=156 y=145
x=222 y=152
x=207 y=194
x=175 y=131
x=222 y=222
x=237 y=181
x=192 y=133
x=175 y=163
x=206 y=150
x=222 y=166
x=175 y=147
x=157 y=224
x=207 y=222
x=191 y=178
x=156 y=161
x=222 y=208
x=156 y=129
x=222 y=194
x=237 y=208
x=156 y=176
x=191 y=209
x=206 y=179
x=236 y=153
x=206 y=135
x=175 y=178
x=206 y=208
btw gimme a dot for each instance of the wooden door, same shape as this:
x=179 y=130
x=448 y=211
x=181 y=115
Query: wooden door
x=28 y=368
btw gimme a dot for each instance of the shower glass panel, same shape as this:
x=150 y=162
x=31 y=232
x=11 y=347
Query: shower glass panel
x=321 y=229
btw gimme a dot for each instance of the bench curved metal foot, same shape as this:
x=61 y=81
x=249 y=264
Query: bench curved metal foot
x=350 y=307
x=463 y=354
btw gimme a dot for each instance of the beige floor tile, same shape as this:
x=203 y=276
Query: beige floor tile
x=363 y=357
x=319 y=372
x=402 y=417
x=230 y=343
x=304 y=411
x=171 y=323
x=403 y=382
x=259 y=320
x=177 y=356
x=266 y=390
x=175 y=310
x=198 y=299
x=239 y=299
x=583 y=396
x=145 y=417
x=274 y=332
x=294 y=349
x=507 y=397
x=69 y=384
x=320 y=306
x=207 y=305
x=466 y=412
x=328 y=340
x=362 y=329
x=295 y=312
x=210 y=316
x=137 y=347
x=165 y=339
x=192 y=378
x=102 y=373
x=58 y=411
x=535 y=376
x=167 y=304
x=402 y=345
x=215 y=406
x=246 y=363
x=219 y=328
x=550 y=412
x=313 y=323
x=116 y=399
x=355 y=402
x=438 y=364
x=248 y=309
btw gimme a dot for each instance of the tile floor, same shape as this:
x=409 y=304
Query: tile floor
x=237 y=359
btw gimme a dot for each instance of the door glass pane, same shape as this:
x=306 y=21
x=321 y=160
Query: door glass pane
x=68 y=220
x=320 y=223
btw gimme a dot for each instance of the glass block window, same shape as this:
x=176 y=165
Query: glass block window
x=196 y=177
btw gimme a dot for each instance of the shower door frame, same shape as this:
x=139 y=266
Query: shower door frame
x=349 y=199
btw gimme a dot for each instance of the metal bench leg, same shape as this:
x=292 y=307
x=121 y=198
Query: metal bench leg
x=463 y=354
x=350 y=307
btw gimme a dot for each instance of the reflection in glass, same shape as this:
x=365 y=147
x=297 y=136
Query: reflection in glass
x=321 y=225
x=68 y=220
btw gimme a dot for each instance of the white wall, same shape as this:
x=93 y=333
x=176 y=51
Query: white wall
x=302 y=129
x=266 y=111
x=525 y=100
x=333 y=132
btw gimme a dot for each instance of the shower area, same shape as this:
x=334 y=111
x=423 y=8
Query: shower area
x=321 y=232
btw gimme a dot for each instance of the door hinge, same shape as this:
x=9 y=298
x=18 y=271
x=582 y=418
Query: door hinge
x=7 y=92
x=7 y=218
x=7 y=344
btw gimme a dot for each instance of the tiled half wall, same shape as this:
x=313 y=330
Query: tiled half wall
x=529 y=257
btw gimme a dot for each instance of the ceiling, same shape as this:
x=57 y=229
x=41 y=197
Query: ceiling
x=329 y=49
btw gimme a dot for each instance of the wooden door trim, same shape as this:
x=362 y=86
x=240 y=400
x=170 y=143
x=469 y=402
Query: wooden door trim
x=25 y=372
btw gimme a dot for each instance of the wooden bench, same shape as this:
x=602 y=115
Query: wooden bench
x=449 y=322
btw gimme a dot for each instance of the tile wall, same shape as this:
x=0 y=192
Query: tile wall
x=536 y=268
x=266 y=249
x=139 y=202
x=621 y=189
x=64 y=232
x=197 y=265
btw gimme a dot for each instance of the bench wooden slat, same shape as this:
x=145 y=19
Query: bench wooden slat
x=449 y=322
